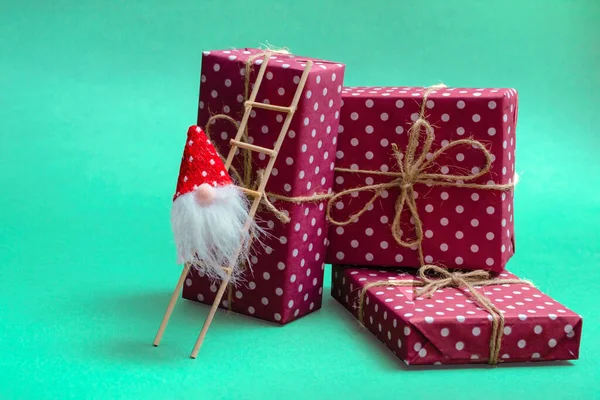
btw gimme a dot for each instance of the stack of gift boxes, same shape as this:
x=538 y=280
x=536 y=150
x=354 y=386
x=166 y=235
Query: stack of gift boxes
x=406 y=191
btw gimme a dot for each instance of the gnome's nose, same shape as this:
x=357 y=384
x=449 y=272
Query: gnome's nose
x=205 y=194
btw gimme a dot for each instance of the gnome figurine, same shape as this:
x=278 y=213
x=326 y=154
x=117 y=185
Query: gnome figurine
x=209 y=212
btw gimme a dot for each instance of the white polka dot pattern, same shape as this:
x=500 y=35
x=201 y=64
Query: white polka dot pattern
x=451 y=328
x=467 y=228
x=287 y=279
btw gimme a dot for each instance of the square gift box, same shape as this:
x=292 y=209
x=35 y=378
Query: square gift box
x=284 y=280
x=462 y=227
x=451 y=327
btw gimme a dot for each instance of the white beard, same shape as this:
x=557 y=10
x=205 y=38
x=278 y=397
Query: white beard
x=211 y=237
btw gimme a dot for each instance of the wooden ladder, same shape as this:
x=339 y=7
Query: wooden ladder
x=256 y=194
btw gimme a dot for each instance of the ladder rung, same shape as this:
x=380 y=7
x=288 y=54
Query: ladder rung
x=268 y=106
x=251 y=192
x=252 y=147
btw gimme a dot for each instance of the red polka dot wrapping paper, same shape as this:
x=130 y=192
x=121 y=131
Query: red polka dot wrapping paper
x=450 y=328
x=285 y=278
x=463 y=227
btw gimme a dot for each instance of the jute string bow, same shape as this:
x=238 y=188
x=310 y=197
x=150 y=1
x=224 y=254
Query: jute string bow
x=247 y=169
x=416 y=167
x=433 y=278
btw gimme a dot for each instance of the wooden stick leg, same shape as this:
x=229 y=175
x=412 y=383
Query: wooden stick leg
x=211 y=313
x=174 y=296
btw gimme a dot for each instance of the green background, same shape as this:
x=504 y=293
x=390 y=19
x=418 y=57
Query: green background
x=95 y=97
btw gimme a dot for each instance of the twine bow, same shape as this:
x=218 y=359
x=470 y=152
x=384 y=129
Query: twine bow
x=433 y=278
x=416 y=167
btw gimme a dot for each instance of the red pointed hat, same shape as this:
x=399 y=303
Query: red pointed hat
x=200 y=164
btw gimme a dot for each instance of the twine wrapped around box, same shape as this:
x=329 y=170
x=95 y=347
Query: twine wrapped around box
x=416 y=168
x=433 y=278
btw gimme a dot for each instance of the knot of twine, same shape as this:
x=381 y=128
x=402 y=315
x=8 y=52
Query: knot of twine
x=414 y=167
x=433 y=278
x=247 y=179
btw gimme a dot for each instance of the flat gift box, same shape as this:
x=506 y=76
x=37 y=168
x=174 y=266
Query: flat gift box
x=462 y=227
x=284 y=280
x=450 y=327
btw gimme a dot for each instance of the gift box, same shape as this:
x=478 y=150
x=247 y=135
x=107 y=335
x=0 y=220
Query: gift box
x=452 y=327
x=463 y=204
x=284 y=277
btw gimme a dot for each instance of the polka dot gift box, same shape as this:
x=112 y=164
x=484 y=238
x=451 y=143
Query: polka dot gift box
x=284 y=277
x=445 y=196
x=451 y=327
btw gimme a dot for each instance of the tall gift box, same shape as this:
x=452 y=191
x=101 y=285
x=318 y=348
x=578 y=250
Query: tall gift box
x=451 y=326
x=464 y=205
x=284 y=277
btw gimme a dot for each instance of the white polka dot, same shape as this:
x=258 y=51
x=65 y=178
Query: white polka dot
x=384 y=116
x=444 y=221
x=458 y=260
x=369 y=155
x=475 y=197
x=474 y=222
x=489 y=261
x=568 y=328
x=444 y=247
x=429 y=320
x=369 y=129
x=354 y=116
x=490 y=210
x=340 y=255
x=214 y=94
x=216 y=67
x=476 y=118
x=460 y=318
x=460 y=131
x=399 y=104
x=406 y=331
x=252 y=285
x=369 y=257
x=445 y=117
x=354 y=142
x=418 y=346
x=369 y=232
x=384 y=142
x=460 y=345
x=489 y=236
x=429 y=208
x=552 y=342
x=551 y=316
x=507 y=330
x=521 y=344
x=445 y=332
x=476 y=331
x=504 y=118
x=200 y=297
x=522 y=317
x=460 y=157
x=398 y=258
x=535 y=355
x=459 y=209
x=460 y=104
x=399 y=129
x=428 y=234
x=445 y=169
x=474 y=248
x=369 y=103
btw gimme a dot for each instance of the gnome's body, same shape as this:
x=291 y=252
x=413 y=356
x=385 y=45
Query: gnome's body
x=209 y=212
